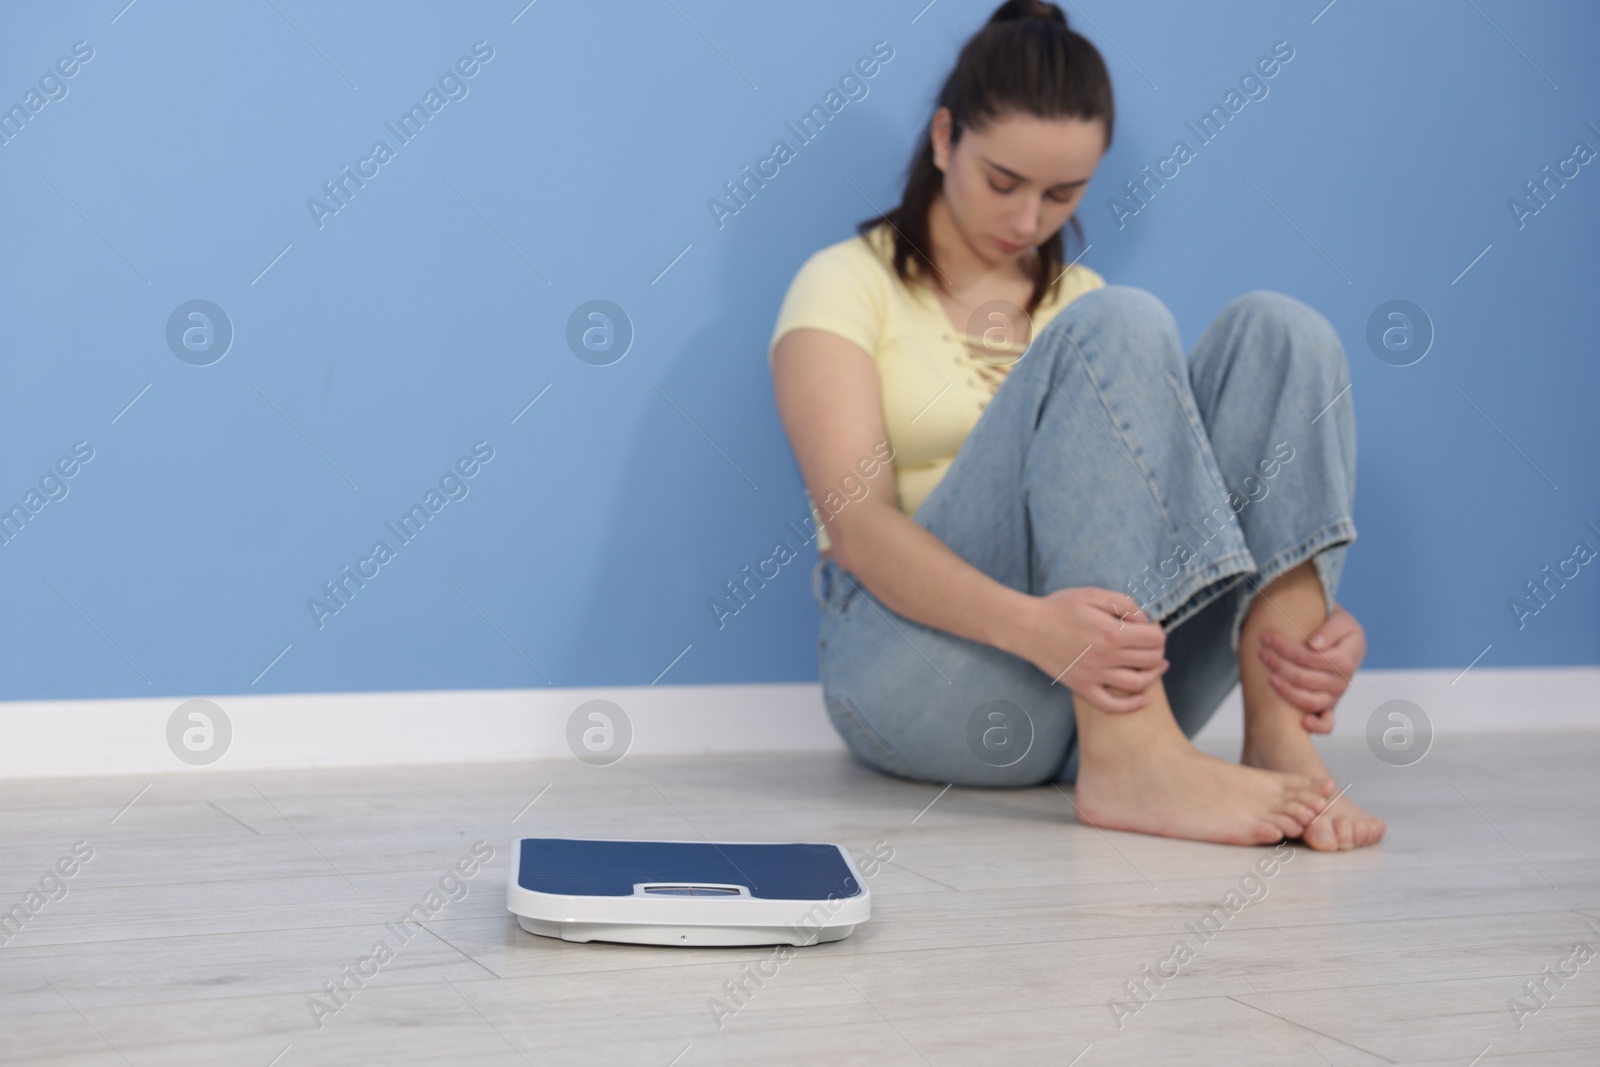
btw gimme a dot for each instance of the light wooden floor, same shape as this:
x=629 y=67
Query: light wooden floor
x=217 y=904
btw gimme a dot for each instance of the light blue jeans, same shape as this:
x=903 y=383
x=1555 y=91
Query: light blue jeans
x=1108 y=459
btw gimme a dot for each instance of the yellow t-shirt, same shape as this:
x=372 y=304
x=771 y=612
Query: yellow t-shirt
x=934 y=385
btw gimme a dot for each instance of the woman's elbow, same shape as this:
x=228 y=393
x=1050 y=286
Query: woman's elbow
x=849 y=531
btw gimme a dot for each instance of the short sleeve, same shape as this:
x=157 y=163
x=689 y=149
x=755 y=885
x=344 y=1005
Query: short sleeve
x=839 y=289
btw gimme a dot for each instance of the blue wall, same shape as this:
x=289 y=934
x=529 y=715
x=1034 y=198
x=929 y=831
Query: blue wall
x=375 y=346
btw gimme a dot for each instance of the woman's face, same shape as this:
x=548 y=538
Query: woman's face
x=1016 y=182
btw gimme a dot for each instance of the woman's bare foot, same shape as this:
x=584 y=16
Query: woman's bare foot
x=1288 y=747
x=1136 y=771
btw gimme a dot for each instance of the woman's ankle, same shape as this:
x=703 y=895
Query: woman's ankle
x=1114 y=737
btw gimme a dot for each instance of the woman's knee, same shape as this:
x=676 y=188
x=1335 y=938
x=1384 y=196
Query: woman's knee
x=1291 y=327
x=1134 y=321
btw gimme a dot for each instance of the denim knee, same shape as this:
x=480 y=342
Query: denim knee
x=1291 y=325
x=1145 y=327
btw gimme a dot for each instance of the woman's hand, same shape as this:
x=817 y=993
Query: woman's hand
x=1097 y=643
x=1314 y=677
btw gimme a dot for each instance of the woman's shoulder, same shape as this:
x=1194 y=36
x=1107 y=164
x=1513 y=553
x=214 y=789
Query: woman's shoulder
x=861 y=254
x=1077 y=280
x=853 y=270
x=841 y=288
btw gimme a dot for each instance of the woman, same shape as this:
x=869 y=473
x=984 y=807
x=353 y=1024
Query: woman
x=978 y=626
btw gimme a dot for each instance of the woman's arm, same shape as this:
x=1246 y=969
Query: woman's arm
x=829 y=399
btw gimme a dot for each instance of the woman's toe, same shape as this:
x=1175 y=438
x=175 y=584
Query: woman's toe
x=1288 y=825
x=1312 y=798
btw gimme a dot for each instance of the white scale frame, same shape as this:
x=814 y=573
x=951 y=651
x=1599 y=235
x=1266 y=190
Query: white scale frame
x=725 y=915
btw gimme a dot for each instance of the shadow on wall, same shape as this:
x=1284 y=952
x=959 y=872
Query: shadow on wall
x=707 y=520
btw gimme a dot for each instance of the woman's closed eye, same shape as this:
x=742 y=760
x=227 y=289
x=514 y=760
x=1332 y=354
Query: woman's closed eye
x=1060 y=198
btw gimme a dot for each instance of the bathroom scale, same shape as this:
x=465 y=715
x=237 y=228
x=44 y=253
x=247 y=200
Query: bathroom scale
x=685 y=892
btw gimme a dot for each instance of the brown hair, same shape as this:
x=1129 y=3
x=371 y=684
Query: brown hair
x=1026 y=60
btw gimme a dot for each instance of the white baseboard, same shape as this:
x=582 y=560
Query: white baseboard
x=1483 y=700
x=73 y=737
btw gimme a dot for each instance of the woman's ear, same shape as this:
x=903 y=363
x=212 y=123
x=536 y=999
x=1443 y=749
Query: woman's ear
x=939 y=132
